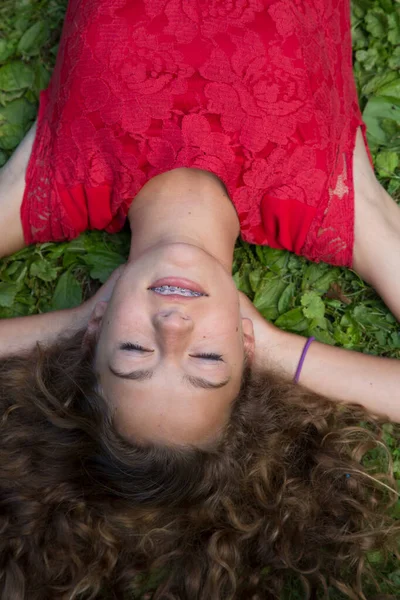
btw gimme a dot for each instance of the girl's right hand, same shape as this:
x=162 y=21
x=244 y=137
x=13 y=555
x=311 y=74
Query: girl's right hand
x=103 y=294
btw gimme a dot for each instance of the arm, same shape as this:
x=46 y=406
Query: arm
x=350 y=377
x=22 y=333
x=12 y=187
x=376 y=253
x=340 y=374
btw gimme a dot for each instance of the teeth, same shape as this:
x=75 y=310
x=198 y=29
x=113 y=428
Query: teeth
x=168 y=290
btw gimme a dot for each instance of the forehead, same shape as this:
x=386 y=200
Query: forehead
x=165 y=392
x=154 y=411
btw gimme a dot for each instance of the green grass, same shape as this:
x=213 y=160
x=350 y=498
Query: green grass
x=333 y=304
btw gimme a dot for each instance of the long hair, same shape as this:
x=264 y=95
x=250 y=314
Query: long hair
x=283 y=493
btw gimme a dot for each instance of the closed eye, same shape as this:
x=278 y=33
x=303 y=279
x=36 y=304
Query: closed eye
x=134 y=347
x=137 y=348
x=208 y=356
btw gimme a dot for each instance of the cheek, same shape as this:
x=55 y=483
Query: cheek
x=128 y=316
x=126 y=296
x=225 y=331
x=226 y=319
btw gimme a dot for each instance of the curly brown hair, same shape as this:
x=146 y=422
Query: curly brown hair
x=81 y=510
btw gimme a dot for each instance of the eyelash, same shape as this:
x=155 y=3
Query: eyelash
x=129 y=346
x=210 y=356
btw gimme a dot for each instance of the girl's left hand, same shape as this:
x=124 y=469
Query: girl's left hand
x=268 y=338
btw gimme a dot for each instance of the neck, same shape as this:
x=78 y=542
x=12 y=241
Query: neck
x=188 y=206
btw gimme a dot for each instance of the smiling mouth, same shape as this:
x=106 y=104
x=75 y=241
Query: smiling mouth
x=173 y=290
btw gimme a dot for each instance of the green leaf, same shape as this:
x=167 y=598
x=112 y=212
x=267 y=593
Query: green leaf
x=392 y=130
x=286 y=298
x=14 y=119
x=376 y=23
x=43 y=269
x=322 y=336
x=386 y=163
x=21 y=276
x=393 y=187
x=377 y=84
x=293 y=320
x=74 y=252
x=360 y=40
x=24 y=10
x=381 y=337
x=33 y=38
x=42 y=78
x=267 y=296
x=368 y=317
x=394 y=27
x=10 y=136
x=313 y=273
x=241 y=279
x=8 y=292
x=273 y=258
x=16 y=76
x=323 y=284
x=68 y=292
x=352 y=334
x=19 y=112
x=379 y=108
x=102 y=263
x=313 y=306
x=368 y=58
x=358 y=8
x=394 y=60
x=53 y=250
x=12 y=268
x=395 y=576
x=6 y=50
x=390 y=89
x=7 y=97
x=255 y=278
x=295 y=263
x=394 y=340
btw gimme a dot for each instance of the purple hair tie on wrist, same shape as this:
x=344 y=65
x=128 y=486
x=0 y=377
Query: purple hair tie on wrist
x=301 y=361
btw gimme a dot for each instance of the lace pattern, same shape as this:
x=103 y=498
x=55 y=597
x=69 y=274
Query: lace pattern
x=259 y=92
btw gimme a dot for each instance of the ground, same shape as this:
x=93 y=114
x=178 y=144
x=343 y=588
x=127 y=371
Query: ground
x=333 y=304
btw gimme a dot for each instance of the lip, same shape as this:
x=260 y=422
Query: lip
x=179 y=282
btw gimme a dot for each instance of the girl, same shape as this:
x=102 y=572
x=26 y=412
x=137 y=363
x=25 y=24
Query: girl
x=158 y=435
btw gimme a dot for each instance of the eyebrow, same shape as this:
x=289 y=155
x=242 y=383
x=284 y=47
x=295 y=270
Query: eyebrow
x=197 y=382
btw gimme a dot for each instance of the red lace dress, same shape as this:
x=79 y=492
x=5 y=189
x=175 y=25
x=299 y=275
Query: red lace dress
x=259 y=92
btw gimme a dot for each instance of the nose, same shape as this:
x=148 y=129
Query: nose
x=173 y=325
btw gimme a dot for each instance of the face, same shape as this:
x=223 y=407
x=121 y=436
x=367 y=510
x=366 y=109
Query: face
x=170 y=365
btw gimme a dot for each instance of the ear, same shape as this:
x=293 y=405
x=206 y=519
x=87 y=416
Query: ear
x=248 y=338
x=94 y=323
